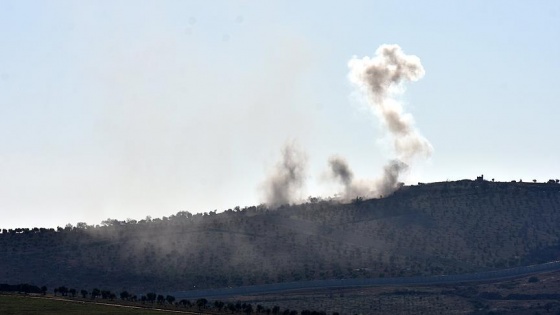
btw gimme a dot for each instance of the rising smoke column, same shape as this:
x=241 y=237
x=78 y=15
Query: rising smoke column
x=381 y=80
x=283 y=184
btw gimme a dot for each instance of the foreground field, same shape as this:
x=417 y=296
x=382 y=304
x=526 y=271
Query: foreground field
x=535 y=294
x=16 y=305
x=532 y=294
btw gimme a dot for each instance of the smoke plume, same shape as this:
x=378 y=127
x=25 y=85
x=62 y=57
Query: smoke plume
x=381 y=79
x=284 y=183
x=341 y=172
x=390 y=180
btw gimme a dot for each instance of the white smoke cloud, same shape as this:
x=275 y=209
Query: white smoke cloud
x=381 y=79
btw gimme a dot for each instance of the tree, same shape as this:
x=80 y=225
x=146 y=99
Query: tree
x=72 y=292
x=44 y=290
x=84 y=293
x=170 y=299
x=62 y=290
x=219 y=305
x=201 y=303
x=160 y=299
x=248 y=309
x=533 y=279
x=124 y=295
x=95 y=293
x=105 y=294
x=276 y=310
x=151 y=297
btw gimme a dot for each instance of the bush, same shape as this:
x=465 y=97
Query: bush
x=533 y=279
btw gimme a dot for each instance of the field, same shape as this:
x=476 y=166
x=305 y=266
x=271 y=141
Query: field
x=16 y=305
x=532 y=294
x=525 y=295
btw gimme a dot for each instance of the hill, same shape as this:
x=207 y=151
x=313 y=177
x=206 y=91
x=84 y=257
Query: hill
x=429 y=229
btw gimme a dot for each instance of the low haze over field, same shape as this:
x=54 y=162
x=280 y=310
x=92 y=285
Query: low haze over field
x=140 y=108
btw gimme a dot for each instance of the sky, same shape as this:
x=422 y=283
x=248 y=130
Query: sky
x=124 y=109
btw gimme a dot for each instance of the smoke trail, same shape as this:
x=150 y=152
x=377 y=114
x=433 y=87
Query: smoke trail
x=283 y=185
x=381 y=79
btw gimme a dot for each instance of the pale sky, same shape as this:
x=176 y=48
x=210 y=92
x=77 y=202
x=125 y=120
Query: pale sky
x=123 y=109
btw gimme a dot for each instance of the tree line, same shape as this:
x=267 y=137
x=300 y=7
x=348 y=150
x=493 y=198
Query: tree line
x=153 y=298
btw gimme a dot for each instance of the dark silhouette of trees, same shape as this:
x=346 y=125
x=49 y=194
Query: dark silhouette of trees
x=62 y=290
x=219 y=305
x=151 y=297
x=84 y=293
x=105 y=294
x=248 y=309
x=95 y=293
x=170 y=299
x=160 y=299
x=21 y=288
x=124 y=295
x=185 y=303
x=201 y=303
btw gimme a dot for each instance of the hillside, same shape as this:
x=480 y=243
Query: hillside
x=429 y=229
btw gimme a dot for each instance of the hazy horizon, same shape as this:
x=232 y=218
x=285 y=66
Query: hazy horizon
x=129 y=109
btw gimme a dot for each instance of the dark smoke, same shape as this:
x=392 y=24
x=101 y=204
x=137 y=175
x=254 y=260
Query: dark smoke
x=341 y=171
x=283 y=185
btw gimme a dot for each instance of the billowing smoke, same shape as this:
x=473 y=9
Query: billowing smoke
x=286 y=180
x=381 y=79
x=388 y=183
x=341 y=172
x=390 y=180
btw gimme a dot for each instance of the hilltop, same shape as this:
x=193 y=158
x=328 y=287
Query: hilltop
x=426 y=229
